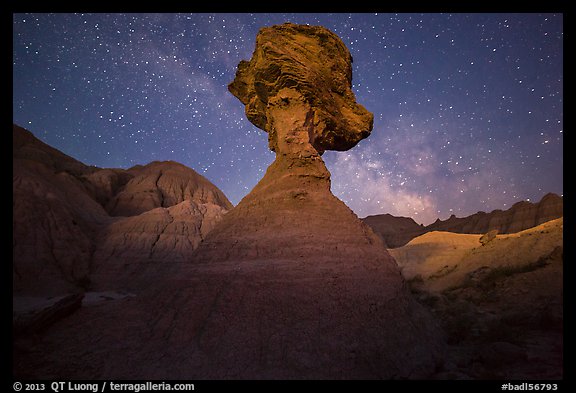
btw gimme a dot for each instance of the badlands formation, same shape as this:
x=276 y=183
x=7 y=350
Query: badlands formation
x=498 y=297
x=397 y=231
x=288 y=284
x=151 y=273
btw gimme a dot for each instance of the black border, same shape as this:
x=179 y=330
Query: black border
x=397 y=7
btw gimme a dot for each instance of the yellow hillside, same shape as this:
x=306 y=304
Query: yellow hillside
x=443 y=260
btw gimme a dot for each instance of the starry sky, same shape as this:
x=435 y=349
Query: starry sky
x=468 y=108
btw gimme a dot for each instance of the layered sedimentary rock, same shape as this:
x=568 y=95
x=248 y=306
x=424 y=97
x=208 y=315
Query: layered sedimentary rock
x=520 y=216
x=54 y=218
x=63 y=234
x=306 y=64
x=131 y=252
x=327 y=299
x=104 y=184
x=394 y=231
x=397 y=231
x=163 y=184
x=501 y=301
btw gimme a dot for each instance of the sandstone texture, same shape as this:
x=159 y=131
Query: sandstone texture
x=397 y=231
x=306 y=69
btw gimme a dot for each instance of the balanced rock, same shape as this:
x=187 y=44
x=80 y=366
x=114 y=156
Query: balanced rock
x=302 y=74
x=312 y=291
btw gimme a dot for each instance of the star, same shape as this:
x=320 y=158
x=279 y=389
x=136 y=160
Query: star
x=462 y=103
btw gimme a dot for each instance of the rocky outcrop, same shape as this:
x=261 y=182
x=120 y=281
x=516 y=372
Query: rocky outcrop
x=132 y=251
x=25 y=146
x=394 y=231
x=308 y=64
x=54 y=219
x=397 y=231
x=328 y=300
x=500 y=302
x=39 y=318
x=163 y=184
x=522 y=215
x=427 y=255
x=63 y=234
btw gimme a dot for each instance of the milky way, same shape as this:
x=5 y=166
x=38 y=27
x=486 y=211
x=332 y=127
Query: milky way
x=468 y=108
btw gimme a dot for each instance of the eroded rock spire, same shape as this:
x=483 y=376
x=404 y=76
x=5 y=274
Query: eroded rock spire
x=328 y=299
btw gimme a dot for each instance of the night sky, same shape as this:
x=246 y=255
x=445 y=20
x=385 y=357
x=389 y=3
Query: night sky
x=468 y=108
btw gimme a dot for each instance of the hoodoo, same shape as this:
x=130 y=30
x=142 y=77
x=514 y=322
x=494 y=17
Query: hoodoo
x=312 y=290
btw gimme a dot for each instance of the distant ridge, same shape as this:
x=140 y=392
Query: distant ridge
x=397 y=231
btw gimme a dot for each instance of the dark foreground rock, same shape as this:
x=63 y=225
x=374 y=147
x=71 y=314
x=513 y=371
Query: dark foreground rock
x=44 y=313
